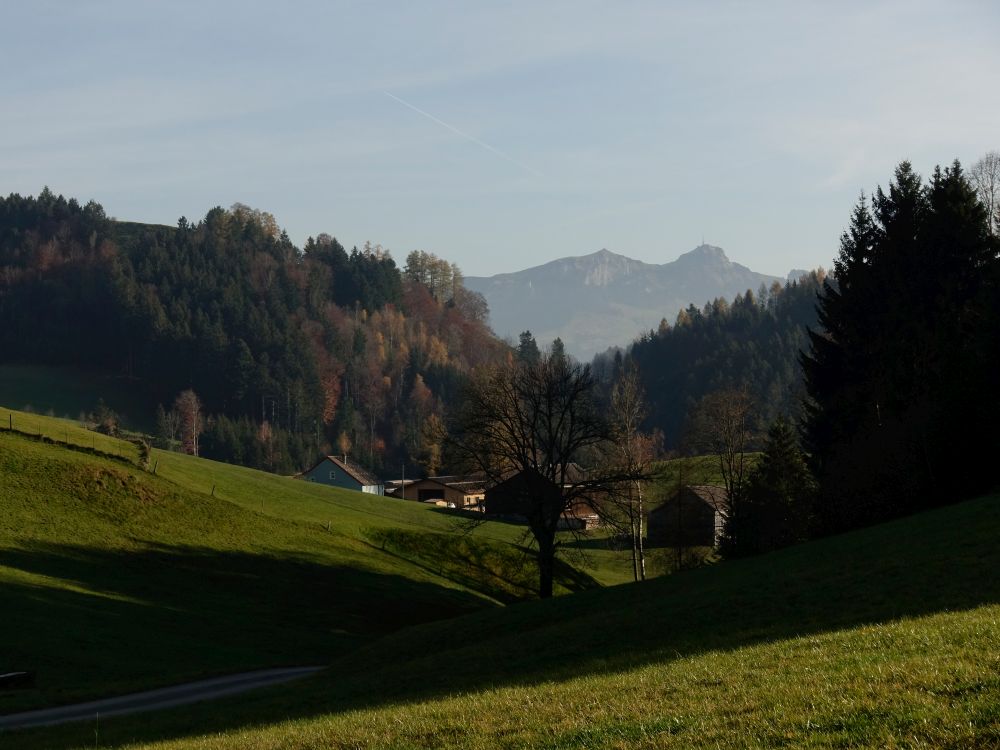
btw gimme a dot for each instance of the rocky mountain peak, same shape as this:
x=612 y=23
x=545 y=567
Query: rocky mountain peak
x=605 y=299
x=705 y=252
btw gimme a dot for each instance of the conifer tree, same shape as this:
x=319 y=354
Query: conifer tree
x=527 y=349
x=777 y=506
x=897 y=373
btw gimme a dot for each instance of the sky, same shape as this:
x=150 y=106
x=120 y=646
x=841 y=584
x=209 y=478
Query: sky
x=499 y=135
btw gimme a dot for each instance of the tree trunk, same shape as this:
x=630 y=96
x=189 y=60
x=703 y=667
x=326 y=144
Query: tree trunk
x=642 y=551
x=635 y=549
x=546 y=563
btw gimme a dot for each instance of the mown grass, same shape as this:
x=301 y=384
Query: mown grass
x=115 y=579
x=350 y=513
x=112 y=579
x=369 y=517
x=887 y=637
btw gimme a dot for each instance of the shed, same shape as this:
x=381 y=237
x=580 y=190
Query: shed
x=515 y=496
x=694 y=516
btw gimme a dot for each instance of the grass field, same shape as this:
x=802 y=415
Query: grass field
x=118 y=579
x=354 y=514
x=112 y=579
x=887 y=637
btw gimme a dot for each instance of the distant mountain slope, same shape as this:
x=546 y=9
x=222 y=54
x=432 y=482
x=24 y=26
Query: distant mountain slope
x=605 y=299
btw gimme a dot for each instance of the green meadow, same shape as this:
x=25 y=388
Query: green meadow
x=887 y=637
x=119 y=579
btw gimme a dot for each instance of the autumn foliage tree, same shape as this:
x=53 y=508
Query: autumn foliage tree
x=316 y=341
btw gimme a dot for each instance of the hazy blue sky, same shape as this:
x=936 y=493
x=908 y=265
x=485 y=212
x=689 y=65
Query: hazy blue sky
x=502 y=135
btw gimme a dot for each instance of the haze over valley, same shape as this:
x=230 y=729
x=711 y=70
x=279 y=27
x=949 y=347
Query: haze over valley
x=601 y=300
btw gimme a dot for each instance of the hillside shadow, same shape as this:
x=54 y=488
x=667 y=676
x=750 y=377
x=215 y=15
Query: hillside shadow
x=93 y=622
x=602 y=543
x=506 y=572
x=941 y=561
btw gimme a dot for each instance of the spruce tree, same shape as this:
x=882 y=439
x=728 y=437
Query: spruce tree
x=901 y=360
x=527 y=348
x=778 y=501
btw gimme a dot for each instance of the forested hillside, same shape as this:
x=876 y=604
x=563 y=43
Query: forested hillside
x=290 y=352
x=753 y=342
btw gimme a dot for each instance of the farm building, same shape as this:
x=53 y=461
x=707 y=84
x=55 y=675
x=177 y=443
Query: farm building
x=465 y=491
x=514 y=497
x=580 y=516
x=337 y=472
x=694 y=516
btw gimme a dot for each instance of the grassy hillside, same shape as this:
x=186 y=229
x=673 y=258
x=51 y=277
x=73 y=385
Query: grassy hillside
x=415 y=527
x=888 y=637
x=121 y=579
x=112 y=579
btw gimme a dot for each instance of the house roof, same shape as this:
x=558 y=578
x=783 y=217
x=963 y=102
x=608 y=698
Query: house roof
x=575 y=474
x=710 y=494
x=358 y=474
x=469 y=484
x=581 y=509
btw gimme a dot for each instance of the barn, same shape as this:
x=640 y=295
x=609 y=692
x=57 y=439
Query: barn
x=694 y=516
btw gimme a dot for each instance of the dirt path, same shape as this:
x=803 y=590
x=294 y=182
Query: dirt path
x=152 y=700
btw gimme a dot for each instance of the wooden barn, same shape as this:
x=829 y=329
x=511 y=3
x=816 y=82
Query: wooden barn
x=694 y=516
x=337 y=472
x=513 y=497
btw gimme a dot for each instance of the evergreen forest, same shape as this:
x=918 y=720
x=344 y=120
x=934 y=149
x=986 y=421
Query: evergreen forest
x=288 y=352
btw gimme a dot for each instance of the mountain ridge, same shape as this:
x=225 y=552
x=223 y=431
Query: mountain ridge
x=605 y=299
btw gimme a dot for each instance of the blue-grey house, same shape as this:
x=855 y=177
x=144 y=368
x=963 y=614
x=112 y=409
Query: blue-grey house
x=337 y=472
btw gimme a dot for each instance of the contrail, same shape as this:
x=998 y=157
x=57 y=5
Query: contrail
x=465 y=135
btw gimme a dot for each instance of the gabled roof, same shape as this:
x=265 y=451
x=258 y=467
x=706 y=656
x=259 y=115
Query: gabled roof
x=355 y=472
x=710 y=494
x=581 y=509
x=575 y=474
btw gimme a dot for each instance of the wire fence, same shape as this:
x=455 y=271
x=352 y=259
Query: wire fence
x=91 y=442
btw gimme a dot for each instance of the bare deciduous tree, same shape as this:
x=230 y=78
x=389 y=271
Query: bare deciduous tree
x=632 y=454
x=722 y=426
x=526 y=424
x=985 y=178
x=188 y=409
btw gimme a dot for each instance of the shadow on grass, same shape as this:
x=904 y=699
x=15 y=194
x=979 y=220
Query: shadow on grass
x=505 y=572
x=945 y=560
x=96 y=622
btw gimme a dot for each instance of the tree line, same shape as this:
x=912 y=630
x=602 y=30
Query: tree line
x=750 y=343
x=870 y=392
x=901 y=375
x=290 y=352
